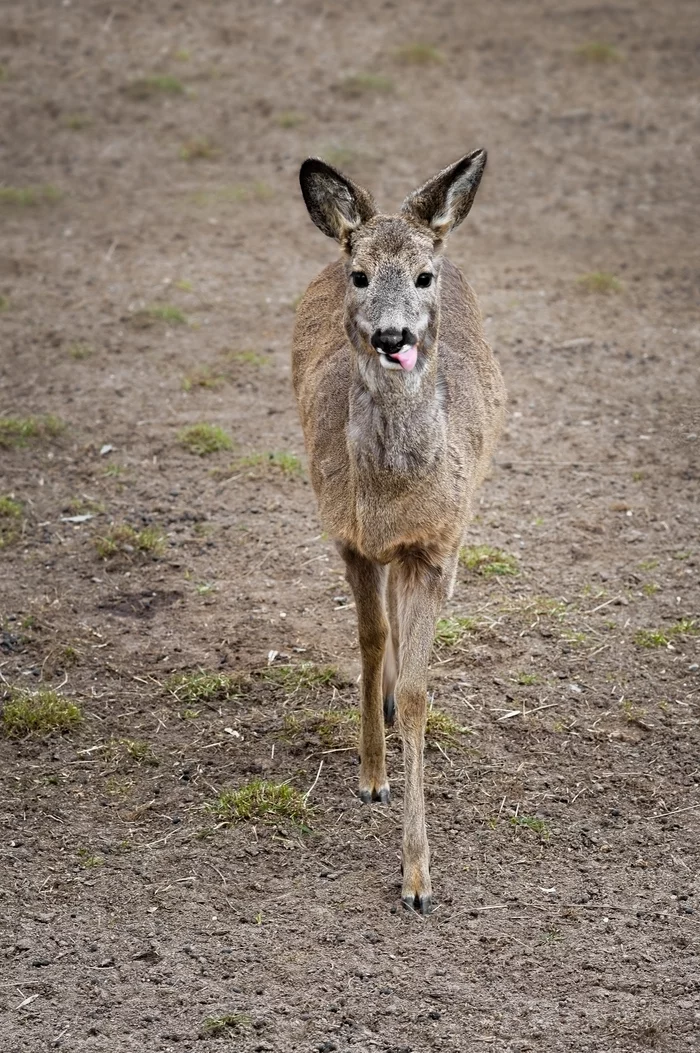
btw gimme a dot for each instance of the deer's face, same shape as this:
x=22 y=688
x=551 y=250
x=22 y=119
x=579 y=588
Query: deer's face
x=391 y=303
x=392 y=262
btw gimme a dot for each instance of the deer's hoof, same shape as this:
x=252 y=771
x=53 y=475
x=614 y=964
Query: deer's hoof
x=382 y=795
x=419 y=903
x=389 y=709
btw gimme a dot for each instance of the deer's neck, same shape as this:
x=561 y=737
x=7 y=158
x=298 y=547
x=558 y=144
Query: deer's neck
x=397 y=421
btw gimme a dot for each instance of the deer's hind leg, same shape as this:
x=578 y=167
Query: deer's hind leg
x=390 y=670
x=368 y=582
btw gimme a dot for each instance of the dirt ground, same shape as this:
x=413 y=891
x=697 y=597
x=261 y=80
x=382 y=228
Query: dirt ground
x=149 y=285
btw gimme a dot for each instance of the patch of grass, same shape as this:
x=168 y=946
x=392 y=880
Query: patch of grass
x=138 y=750
x=341 y=157
x=359 y=84
x=600 y=282
x=159 y=312
x=37 y=712
x=574 y=638
x=151 y=87
x=650 y=588
x=526 y=679
x=234 y=194
x=289 y=119
x=247 y=358
x=648 y=564
x=87 y=859
x=260 y=801
x=29 y=196
x=77 y=121
x=79 y=352
x=419 y=54
x=5 y=304
x=598 y=52
x=287 y=463
x=18 y=431
x=664 y=637
x=451 y=631
x=202 y=378
x=215 y=1026
x=302 y=677
x=199 y=150
x=335 y=728
x=530 y=822
x=123 y=540
x=488 y=561
x=10 y=517
x=114 y=471
x=442 y=729
x=205 y=688
x=203 y=439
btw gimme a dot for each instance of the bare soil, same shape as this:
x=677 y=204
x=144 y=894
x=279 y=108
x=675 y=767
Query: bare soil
x=564 y=821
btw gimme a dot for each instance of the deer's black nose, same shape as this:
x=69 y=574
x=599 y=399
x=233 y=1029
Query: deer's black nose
x=391 y=340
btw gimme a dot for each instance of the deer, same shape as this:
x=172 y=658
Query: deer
x=401 y=403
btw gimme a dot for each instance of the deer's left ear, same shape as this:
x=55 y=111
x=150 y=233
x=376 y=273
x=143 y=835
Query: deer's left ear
x=444 y=201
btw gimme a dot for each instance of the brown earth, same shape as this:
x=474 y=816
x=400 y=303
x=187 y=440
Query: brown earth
x=564 y=823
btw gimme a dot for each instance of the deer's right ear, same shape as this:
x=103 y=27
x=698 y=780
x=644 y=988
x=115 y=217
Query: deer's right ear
x=336 y=204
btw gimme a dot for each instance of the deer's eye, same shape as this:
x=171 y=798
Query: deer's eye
x=423 y=280
x=360 y=279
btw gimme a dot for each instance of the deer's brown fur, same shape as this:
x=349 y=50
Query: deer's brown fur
x=395 y=458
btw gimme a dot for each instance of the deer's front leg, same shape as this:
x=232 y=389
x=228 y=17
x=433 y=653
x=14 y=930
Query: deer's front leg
x=420 y=596
x=367 y=580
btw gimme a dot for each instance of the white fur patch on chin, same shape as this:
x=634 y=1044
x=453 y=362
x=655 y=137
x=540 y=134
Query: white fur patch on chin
x=388 y=363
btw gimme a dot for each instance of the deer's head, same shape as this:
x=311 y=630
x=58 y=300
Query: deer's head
x=392 y=262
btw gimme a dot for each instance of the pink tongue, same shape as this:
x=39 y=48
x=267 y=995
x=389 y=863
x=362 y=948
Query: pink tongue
x=407 y=358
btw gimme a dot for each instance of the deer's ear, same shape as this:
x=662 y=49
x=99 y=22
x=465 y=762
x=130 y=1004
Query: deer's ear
x=336 y=204
x=444 y=201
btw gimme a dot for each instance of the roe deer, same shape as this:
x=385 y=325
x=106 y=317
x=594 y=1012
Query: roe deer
x=401 y=403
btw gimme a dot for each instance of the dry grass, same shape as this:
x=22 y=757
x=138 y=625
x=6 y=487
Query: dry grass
x=598 y=52
x=359 y=84
x=199 y=150
x=205 y=688
x=419 y=54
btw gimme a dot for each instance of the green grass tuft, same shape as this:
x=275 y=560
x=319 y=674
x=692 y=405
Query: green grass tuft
x=663 y=637
x=122 y=540
x=287 y=463
x=159 y=312
x=151 y=87
x=18 y=431
x=358 y=84
x=487 y=561
x=440 y=728
x=527 y=679
x=600 y=282
x=260 y=801
x=10 y=516
x=28 y=196
x=201 y=687
x=38 y=712
x=77 y=122
x=247 y=357
x=531 y=822
x=598 y=51
x=451 y=631
x=419 y=54
x=203 y=439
